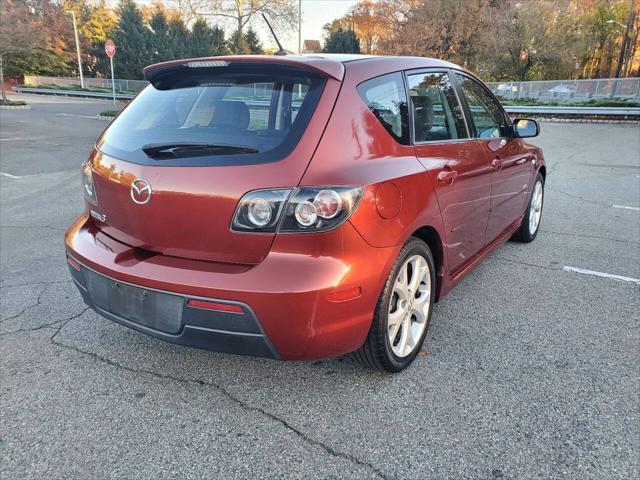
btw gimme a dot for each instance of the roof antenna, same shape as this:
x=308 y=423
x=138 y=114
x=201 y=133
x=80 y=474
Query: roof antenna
x=281 y=51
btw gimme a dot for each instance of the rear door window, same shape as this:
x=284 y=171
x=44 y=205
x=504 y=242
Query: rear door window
x=437 y=115
x=386 y=98
x=252 y=116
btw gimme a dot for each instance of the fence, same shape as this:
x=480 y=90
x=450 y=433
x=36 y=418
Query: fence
x=562 y=91
x=122 y=86
x=546 y=91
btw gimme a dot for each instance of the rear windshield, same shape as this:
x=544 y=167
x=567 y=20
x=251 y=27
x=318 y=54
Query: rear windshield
x=224 y=116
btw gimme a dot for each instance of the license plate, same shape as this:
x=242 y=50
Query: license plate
x=158 y=310
x=129 y=302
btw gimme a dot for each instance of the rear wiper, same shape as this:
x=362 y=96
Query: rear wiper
x=176 y=150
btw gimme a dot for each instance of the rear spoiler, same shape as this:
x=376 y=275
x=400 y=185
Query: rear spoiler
x=164 y=75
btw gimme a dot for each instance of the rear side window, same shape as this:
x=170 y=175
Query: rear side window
x=227 y=117
x=487 y=115
x=436 y=112
x=386 y=98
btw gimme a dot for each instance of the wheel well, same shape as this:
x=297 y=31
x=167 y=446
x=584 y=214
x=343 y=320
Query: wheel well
x=430 y=236
x=543 y=172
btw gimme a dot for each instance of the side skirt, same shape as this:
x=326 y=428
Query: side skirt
x=460 y=272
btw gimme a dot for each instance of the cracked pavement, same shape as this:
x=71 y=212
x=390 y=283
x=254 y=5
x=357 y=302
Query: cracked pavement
x=530 y=371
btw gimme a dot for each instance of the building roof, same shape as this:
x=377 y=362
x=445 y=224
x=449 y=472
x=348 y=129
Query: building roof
x=311 y=46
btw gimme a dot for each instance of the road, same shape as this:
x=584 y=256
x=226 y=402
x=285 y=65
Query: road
x=530 y=369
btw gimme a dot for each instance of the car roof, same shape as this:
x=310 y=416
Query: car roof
x=329 y=64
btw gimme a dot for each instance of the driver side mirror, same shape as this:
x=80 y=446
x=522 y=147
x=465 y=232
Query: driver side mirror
x=525 y=128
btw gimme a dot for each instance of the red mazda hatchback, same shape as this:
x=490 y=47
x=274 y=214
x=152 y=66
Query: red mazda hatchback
x=300 y=207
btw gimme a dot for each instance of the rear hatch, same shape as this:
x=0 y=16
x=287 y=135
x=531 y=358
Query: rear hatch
x=170 y=169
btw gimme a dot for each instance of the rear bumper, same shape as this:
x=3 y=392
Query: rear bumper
x=285 y=306
x=171 y=318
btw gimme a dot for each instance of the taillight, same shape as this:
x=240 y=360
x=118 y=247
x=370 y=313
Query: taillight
x=87 y=184
x=319 y=209
x=259 y=211
x=307 y=209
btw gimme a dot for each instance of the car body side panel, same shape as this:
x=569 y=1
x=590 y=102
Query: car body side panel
x=357 y=150
x=510 y=182
x=464 y=201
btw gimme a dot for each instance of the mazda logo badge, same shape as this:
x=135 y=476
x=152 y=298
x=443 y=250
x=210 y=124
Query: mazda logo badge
x=140 y=191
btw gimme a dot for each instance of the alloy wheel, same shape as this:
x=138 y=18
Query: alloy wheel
x=535 y=211
x=409 y=306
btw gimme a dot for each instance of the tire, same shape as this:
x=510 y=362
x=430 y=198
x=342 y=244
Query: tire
x=378 y=351
x=529 y=229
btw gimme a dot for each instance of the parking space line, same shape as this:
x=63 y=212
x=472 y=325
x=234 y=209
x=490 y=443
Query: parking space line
x=9 y=175
x=601 y=274
x=20 y=138
x=94 y=117
x=625 y=207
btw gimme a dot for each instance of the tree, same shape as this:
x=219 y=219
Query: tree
x=366 y=18
x=245 y=43
x=132 y=38
x=19 y=34
x=206 y=41
x=342 y=41
x=239 y=13
x=98 y=28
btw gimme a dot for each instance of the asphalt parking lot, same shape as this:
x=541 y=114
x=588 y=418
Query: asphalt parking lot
x=530 y=370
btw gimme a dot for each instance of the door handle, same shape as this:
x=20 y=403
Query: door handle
x=447 y=176
x=496 y=163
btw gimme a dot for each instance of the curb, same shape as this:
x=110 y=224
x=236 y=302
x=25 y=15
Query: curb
x=104 y=117
x=15 y=107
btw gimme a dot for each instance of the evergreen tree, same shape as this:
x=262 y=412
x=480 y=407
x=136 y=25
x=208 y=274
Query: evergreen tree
x=98 y=28
x=253 y=42
x=342 y=40
x=206 y=41
x=245 y=43
x=178 y=39
x=159 y=36
x=132 y=41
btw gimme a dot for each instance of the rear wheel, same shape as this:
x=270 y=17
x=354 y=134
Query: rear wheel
x=531 y=221
x=403 y=311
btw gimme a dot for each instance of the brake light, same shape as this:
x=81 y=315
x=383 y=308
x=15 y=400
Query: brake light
x=74 y=263
x=313 y=209
x=216 y=306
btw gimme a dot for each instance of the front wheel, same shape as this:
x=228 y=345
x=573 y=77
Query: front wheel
x=403 y=311
x=531 y=221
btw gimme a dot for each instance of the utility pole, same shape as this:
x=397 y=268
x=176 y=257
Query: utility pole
x=75 y=32
x=299 y=27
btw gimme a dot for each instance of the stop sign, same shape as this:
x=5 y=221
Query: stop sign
x=110 y=48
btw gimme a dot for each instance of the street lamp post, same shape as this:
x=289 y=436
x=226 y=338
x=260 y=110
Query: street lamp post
x=299 y=27
x=75 y=32
x=623 y=47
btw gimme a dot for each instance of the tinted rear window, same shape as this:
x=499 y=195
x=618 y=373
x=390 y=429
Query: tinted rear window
x=386 y=98
x=227 y=116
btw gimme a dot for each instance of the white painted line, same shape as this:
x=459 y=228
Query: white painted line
x=601 y=274
x=624 y=207
x=9 y=175
x=94 y=117
x=21 y=138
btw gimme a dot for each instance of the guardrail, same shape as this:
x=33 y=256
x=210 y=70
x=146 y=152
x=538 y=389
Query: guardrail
x=608 y=111
x=73 y=93
x=526 y=109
